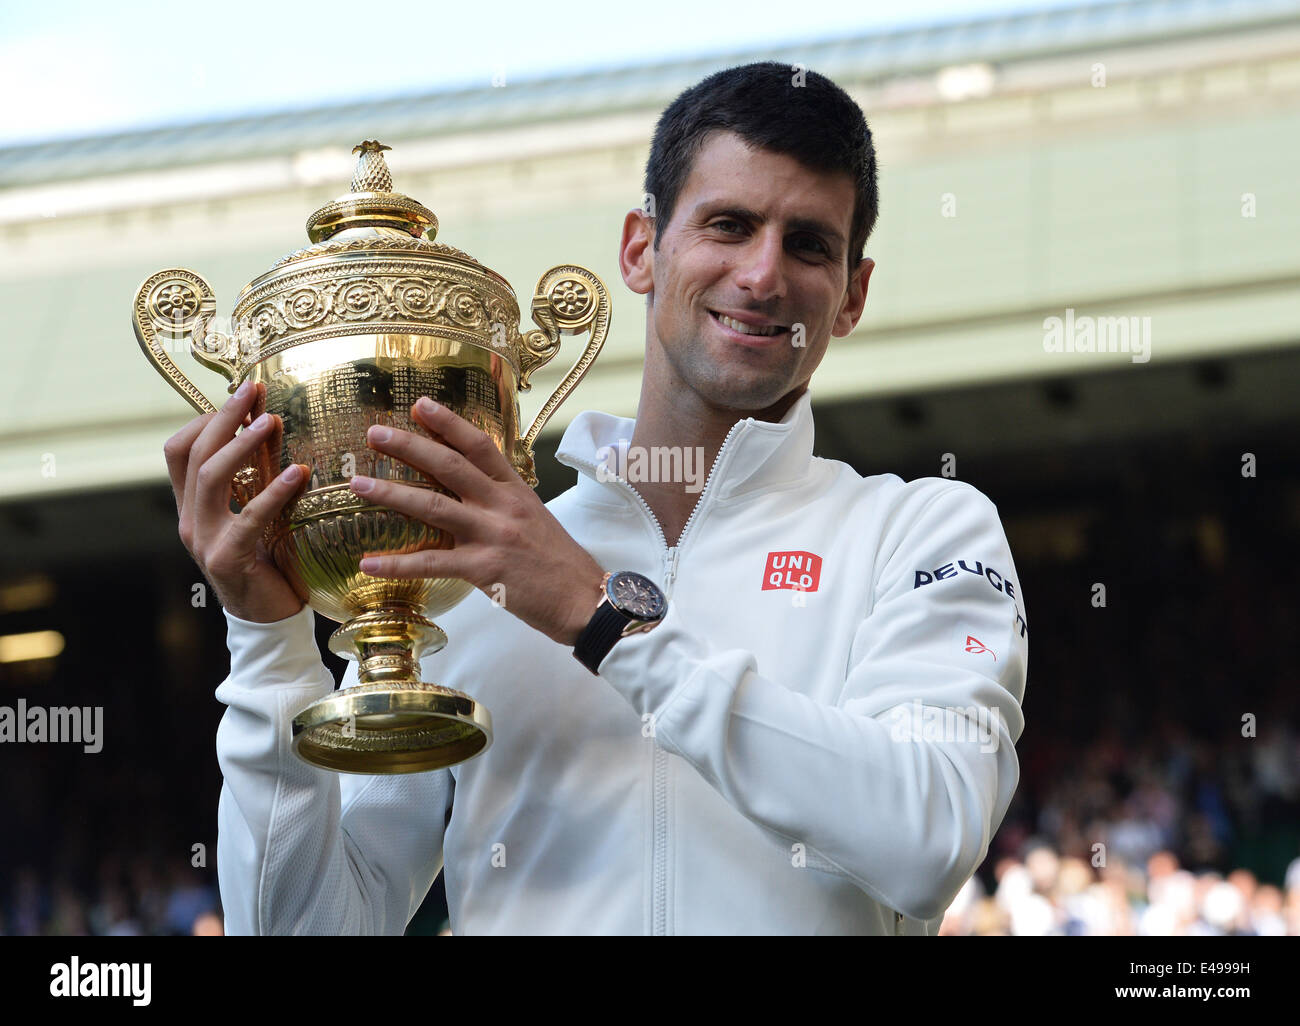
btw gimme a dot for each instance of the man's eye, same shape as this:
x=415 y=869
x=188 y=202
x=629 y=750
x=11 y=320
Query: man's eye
x=725 y=221
x=817 y=244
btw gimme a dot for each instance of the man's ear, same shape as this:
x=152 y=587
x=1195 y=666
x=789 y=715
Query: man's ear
x=855 y=298
x=636 y=251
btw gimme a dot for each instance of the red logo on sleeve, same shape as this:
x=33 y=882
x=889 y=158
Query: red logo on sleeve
x=977 y=647
x=797 y=571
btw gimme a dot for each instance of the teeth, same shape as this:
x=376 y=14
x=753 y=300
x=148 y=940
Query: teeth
x=748 y=329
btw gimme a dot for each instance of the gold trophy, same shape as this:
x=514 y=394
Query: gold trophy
x=346 y=333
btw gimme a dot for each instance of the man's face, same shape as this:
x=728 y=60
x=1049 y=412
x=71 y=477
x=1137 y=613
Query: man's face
x=757 y=238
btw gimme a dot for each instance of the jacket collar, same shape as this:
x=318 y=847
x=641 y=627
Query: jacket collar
x=758 y=454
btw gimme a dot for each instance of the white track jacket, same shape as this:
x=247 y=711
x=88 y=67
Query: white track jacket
x=817 y=739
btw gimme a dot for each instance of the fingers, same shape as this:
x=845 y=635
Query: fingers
x=252 y=445
x=424 y=504
x=253 y=519
x=177 y=452
x=270 y=452
x=219 y=430
x=441 y=463
x=434 y=563
x=266 y=457
x=476 y=445
x=463 y=459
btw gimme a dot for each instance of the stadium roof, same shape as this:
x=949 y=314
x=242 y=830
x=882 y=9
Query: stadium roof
x=888 y=54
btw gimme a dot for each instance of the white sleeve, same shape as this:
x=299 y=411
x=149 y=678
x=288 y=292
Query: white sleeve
x=895 y=787
x=302 y=850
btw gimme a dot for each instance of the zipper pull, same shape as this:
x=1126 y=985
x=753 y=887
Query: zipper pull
x=670 y=570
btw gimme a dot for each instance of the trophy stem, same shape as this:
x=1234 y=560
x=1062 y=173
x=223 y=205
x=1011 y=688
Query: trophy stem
x=388 y=644
x=390 y=721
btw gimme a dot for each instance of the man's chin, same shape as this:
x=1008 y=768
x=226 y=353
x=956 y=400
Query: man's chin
x=745 y=398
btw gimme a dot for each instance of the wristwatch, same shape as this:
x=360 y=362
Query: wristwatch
x=630 y=603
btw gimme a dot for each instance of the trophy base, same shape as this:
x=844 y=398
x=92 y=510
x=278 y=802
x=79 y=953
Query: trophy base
x=391 y=727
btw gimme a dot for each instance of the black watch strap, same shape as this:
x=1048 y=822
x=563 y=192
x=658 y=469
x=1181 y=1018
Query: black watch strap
x=603 y=629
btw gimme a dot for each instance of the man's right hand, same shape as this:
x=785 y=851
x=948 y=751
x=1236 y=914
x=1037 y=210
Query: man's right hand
x=202 y=458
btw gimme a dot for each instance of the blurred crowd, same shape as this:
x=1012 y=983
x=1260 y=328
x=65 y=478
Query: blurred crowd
x=1160 y=763
x=138 y=898
x=1164 y=836
x=1149 y=839
x=1047 y=894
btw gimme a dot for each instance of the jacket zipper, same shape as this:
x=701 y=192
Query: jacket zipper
x=659 y=870
x=670 y=554
x=659 y=867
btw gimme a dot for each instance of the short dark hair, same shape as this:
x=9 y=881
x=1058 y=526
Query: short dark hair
x=777 y=107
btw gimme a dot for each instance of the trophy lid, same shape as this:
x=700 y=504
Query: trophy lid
x=372 y=203
x=372 y=216
x=372 y=262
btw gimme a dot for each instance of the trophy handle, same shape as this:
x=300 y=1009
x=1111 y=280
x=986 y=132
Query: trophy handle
x=568 y=300
x=174 y=306
x=177 y=306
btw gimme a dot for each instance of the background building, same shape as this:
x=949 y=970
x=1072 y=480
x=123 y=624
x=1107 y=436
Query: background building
x=1131 y=163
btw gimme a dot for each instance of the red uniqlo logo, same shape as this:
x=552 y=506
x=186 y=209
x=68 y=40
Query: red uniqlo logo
x=798 y=571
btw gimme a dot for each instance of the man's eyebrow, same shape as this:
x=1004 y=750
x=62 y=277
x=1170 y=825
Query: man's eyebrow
x=706 y=211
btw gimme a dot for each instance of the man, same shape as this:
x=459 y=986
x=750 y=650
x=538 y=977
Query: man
x=815 y=734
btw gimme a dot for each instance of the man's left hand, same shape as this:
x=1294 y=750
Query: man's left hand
x=508 y=544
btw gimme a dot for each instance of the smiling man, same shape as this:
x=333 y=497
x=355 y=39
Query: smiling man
x=784 y=703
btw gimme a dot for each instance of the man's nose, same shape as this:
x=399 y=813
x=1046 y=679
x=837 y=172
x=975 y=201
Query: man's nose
x=761 y=268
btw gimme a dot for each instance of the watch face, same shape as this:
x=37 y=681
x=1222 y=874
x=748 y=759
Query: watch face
x=636 y=595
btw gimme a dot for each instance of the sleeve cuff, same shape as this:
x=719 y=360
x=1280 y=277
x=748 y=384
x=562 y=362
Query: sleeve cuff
x=283 y=652
x=650 y=668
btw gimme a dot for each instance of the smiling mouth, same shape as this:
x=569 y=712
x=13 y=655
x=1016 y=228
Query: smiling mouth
x=772 y=331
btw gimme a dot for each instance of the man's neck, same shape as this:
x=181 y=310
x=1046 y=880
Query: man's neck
x=695 y=430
